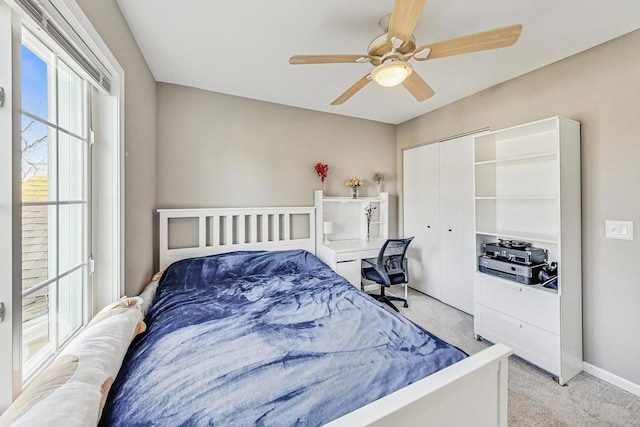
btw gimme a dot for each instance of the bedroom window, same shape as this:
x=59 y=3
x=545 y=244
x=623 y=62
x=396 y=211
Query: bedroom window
x=61 y=182
x=55 y=171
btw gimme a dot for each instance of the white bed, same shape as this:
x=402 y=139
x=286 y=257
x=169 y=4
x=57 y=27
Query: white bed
x=480 y=381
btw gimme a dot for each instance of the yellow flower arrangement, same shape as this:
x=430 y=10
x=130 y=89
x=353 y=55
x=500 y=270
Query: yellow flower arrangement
x=354 y=182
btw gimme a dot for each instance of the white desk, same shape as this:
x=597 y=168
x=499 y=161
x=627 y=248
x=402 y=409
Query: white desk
x=345 y=256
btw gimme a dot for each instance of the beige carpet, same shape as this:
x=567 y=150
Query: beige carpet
x=535 y=399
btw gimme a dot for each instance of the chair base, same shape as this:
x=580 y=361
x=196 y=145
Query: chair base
x=387 y=300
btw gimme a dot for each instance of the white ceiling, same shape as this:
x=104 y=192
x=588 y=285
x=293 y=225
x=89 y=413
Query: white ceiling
x=242 y=47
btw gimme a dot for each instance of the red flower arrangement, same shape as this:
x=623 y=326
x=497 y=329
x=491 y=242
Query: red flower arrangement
x=321 y=170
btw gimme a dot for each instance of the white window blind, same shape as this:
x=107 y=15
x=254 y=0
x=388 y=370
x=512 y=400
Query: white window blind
x=47 y=16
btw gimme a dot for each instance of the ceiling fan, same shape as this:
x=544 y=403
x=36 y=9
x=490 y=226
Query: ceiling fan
x=390 y=51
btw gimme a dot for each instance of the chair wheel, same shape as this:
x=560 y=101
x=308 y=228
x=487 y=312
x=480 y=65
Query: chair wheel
x=406 y=305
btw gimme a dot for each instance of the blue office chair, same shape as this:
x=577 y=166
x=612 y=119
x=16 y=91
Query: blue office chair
x=391 y=267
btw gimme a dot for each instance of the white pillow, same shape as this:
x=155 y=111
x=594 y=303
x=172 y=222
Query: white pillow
x=73 y=389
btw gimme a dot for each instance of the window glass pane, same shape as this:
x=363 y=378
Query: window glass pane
x=38 y=245
x=38 y=146
x=70 y=105
x=35 y=246
x=35 y=93
x=70 y=304
x=71 y=228
x=71 y=166
x=36 y=336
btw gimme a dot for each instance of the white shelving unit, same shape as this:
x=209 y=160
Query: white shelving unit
x=347 y=216
x=348 y=244
x=527 y=187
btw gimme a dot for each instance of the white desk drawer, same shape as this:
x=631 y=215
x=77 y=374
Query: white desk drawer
x=534 y=306
x=540 y=347
x=369 y=253
x=347 y=256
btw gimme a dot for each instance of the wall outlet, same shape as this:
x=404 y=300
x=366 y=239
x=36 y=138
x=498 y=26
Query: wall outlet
x=615 y=229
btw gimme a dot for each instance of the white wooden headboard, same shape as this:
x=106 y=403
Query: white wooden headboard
x=186 y=233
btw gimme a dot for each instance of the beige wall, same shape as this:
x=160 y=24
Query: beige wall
x=217 y=150
x=601 y=89
x=140 y=136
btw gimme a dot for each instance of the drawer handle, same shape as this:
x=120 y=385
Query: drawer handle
x=511 y=287
x=511 y=321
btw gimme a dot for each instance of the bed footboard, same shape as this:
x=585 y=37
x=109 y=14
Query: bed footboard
x=470 y=392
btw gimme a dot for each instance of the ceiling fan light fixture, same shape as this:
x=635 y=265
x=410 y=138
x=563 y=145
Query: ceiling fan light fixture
x=391 y=73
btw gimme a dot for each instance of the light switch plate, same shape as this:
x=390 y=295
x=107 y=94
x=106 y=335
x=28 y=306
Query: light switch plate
x=615 y=229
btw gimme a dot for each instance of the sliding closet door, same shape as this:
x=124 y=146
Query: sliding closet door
x=438 y=211
x=457 y=244
x=421 y=186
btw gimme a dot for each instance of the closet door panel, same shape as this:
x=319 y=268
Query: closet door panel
x=456 y=223
x=421 y=181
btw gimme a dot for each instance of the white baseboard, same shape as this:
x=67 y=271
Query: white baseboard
x=611 y=378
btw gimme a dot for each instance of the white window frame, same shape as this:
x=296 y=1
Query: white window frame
x=108 y=208
x=10 y=212
x=51 y=322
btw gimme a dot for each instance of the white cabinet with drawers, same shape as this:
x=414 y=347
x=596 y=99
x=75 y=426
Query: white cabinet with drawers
x=527 y=187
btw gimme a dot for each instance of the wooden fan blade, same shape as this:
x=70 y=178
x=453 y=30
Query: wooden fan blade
x=327 y=59
x=418 y=87
x=492 y=39
x=404 y=17
x=352 y=90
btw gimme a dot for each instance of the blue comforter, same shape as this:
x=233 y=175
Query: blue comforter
x=265 y=338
